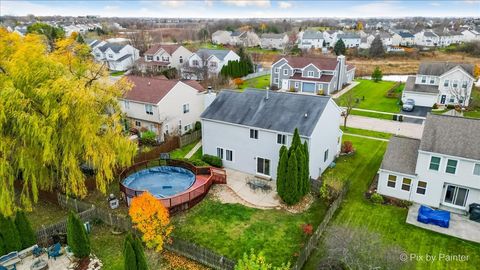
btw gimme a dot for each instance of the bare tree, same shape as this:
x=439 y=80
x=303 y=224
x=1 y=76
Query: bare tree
x=358 y=248
x=140 y=40
x=349 y=102
x=197 y=69
x=461 y=94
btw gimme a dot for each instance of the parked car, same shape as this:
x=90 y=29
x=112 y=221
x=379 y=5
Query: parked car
x=408 y=105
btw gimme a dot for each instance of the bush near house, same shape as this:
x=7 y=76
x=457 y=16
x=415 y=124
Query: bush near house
x=258 y=261
x=9 y=235
x=77 y=237
x=134 y=256
x=213 y=160
x=377 y=198
x=148 y=137
x=25 y=231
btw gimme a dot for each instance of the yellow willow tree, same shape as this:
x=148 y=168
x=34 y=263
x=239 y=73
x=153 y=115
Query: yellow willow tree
x=57 y=112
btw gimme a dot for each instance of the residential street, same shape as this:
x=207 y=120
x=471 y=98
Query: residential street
x=398 y=128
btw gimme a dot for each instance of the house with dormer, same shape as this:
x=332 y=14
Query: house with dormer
x=311 y=40
x=207 y=62
x=161 y=56
x=314 y=75
x=441 y=170
x=118 y=57
x=440 y=83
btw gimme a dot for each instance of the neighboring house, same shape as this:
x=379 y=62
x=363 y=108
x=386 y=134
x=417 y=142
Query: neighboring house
x=403 y=38
x=470 y=35
x=440 y=83
x=160 y=56
x=330 y=37
x=427 y=38
x=207 y=61
x=163 y=106
x=440 y=170
x=246 y=130
x=221 y=37
x=21 y=30
x=311 y=39
x=273 y=41
x=311 y=74
x=118 y=57
x=351 y=40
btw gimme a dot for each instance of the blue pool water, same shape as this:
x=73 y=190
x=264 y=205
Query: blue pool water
x=161 y=181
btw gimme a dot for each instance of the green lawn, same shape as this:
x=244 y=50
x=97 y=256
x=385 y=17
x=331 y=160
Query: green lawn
x=198 y=154
x=259 y=82
x=263 y=51
x=181 y=152
x=366 y=132
x=389 y=221
x=45 y=213
x=233 y=229
x=372 y=115
x=372 y=96
x=475 y=113
x=117 y=73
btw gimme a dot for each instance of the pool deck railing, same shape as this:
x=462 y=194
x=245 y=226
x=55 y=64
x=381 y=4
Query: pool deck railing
x=205 y=177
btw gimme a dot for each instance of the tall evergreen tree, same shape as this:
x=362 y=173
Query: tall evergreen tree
x=25 y=231
x=292 y=196
x=377 y=75
x=2 y=246
x=10 y=236
x=77 y=237
x=301 y=171
x=139 y=254
x=129 y=258
x=307 y=166
x=339 y=47
x=282 y=171
x=376 y=48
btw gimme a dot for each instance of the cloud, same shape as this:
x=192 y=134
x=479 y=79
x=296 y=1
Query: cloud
x=111 y=8
x=471 y=2
x=435 y=4
x=209 y=3
x=173 y=4
x=283 y=4
x=245 y=3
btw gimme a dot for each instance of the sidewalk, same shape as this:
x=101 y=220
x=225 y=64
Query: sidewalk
x=194 y=149
x=345 y=90
x=397 y=128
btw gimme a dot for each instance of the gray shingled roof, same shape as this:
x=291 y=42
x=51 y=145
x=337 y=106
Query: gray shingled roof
x=410 y=86
x=115 y=47
x=451 y=135
x=347 y=36
x=220 y=54
x=273 y=36
x=429 y=34
x=401 y=155
x=406 y=34
x=124 y=57
x=312 y=35
x=439 y=68
x=281 y=112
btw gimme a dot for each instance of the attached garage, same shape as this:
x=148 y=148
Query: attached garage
x=308 y=87
x=421 y=99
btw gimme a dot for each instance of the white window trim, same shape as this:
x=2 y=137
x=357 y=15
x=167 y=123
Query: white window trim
x=456 y=166
x=256 y=167
x=187 y=106
x=233 y=158
x=277 y=70
x=425 y=188
x=223 y=152
x=388 y=180
x=275 y=80
x=474 y=165
x=311 y=76
x=439 y=164
x=285 y=72
x=409 y=185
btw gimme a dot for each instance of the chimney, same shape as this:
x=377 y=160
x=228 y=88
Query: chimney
x=209 y=89
x=341 y=71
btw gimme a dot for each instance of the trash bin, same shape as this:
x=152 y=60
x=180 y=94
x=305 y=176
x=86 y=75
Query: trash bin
x=474 y=211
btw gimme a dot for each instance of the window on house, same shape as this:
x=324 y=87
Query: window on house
x=406 y=184
x=110 y=55
x=451 y=166
x=253 y=134
x=138 y=124
x=187 y=127
x=446 y=83
x=263 y=166
x=424 y=79
x=166 y=129
x=455 y=84
x=275 y=80
x=285 y=72
x=213 y=64
x=281 y=139
x=276 y=70
x=464 y=84
x=310 y=74
x=435 y=163
x=149 y=109
x=127 y=104
x=165 y=58
x=421 y=187
x=432 y=80
x=186 y=108
x=180 y=125
x=158 y=58
x=220 y=152
x=229 y=155
x=392 y=180
x=195 y=62
x=476 y=169
x=180 y=60
x=325 y=155
x=297 y=84
x=149 y=57
x=97 y=55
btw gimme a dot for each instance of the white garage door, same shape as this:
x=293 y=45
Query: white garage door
x=420 y=99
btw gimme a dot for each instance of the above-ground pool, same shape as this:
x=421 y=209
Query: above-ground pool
x=161 y=181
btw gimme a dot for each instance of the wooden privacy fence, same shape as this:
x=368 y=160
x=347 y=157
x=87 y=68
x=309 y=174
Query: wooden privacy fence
x=168 y=145
x=190 y=138
x=200 y=254
x=314 y=239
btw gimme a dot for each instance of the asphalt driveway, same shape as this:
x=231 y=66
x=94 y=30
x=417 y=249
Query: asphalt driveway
x=417 y=111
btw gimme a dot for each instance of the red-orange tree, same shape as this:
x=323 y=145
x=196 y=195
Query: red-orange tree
x=151 y=218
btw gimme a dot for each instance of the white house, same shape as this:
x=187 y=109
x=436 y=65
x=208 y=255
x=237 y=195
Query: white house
x=209 y=60
x=311 y=39
x=440 y=170
x=427 y=38
x=221 y=37
x=161 y=56
x=273 y=41
x=313 y=75
x=244 y=38
x=403 y=38
x=330 y=37
x=440 y=83
x=246 y=130
x=470 y=35
x=351 y=40
x=118 y=57
x=163 y=106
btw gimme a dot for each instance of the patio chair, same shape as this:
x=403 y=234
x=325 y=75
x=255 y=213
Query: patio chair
x=10 y=260
x=55 y=251
x=37 y=251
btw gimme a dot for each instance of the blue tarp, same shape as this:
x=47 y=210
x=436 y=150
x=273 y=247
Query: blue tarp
x=428 y=215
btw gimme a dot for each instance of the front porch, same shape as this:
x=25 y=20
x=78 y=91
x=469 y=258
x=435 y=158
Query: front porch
x=460 y=226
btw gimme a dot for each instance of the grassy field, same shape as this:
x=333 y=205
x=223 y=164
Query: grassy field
x=259 y=82
x=233 y=229
x=389 y=221
x=372 y=96
x=45 y=213
x=366 y=132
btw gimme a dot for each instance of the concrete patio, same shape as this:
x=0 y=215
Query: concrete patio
x=460 y=226
x=237 y=181
x=61 y=263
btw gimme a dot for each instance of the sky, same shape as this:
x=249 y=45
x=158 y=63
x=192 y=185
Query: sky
x=244 y=8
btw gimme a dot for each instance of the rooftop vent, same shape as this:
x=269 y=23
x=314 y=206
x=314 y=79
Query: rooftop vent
x=148 y=83
x=305 y=115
